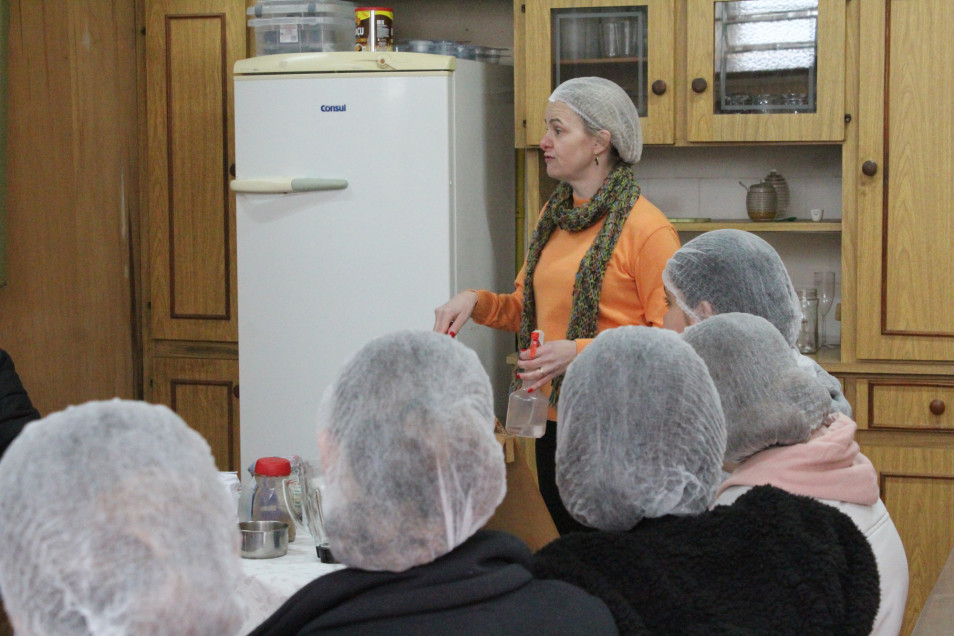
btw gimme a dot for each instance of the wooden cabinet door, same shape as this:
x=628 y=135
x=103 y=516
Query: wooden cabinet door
x=659 y=123
x=904 y=182
x=827 y=123
x=204 y=393
x=916 y=473
x=191 y=46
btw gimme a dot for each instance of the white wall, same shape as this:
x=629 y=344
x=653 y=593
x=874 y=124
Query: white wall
x=704 y=182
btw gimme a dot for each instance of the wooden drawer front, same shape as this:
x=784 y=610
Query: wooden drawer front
x=911 y=405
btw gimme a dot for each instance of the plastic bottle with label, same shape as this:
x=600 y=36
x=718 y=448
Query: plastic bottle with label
x=526 y=411
x=271 y=500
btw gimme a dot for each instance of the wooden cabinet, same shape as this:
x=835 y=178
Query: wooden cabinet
x=819 y=79
x=683 y=70
x=902 y=175
x=906 y=429
x=897 y=170
x=191 y=329
x=190 y=49
x=204 y=392
x=563 y=41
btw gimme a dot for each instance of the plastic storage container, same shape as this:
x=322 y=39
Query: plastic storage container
x=301 y=27
x=290 y=8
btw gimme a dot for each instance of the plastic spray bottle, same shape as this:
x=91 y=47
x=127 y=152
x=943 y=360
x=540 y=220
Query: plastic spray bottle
x=527 y=412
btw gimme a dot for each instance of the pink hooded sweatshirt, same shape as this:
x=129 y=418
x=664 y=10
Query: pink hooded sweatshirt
x=828 y=466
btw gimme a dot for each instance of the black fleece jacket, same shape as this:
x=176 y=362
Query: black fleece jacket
x=770 y=563
x=16 y=410
x=483 y=587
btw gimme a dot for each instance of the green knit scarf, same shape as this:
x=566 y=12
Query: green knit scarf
x=614 y=200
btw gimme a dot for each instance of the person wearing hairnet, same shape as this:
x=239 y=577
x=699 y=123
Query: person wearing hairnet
x=412 y=471
x=639 y=456
x=780 y=430
x=736 y=271
x=16 y=409
x=595 y=259
x=113 y=520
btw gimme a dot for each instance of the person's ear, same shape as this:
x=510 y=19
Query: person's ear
x=327 y=450
x=601 y=142
x=705 y=310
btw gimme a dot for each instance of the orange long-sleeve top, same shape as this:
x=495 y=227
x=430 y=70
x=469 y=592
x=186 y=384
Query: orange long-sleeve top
x=632 y=292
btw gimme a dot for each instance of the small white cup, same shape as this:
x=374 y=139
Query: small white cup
x=817 y=214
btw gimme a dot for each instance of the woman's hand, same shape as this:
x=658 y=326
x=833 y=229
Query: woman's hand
x=551 y=360
x=451 y=317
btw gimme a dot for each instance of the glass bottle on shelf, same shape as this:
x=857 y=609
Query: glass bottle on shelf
x=808 y=336
x=526 y=411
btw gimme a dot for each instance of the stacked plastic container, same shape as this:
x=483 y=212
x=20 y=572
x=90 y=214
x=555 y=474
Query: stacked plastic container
x=284 y=26
x=462 y=50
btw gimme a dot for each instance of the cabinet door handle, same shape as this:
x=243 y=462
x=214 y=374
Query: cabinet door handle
x=937 y=407
x=700 y=85
x=235 y=391
x=659 y=87
x=869 y=168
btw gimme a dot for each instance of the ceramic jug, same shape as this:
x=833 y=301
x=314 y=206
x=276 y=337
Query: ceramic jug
x=761 y=201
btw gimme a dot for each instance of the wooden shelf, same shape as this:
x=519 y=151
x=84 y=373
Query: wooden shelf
x=759 y=226
x=604 y=60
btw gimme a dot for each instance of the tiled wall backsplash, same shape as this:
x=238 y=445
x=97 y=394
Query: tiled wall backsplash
x=704 y=182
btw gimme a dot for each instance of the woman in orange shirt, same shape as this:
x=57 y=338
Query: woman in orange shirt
x=595 y=259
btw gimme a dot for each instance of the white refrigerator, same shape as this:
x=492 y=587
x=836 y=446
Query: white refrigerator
x=370 y=188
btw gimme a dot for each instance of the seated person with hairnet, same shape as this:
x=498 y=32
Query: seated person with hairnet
x=639 y=457
x=113 y=520
x=412 y=471
x=780 y=431
x=736 y=271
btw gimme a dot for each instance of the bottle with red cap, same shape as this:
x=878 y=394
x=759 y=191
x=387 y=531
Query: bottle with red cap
x=526 y=410
x=271 y=501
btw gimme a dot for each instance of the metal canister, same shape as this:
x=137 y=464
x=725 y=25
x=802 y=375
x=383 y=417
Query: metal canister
x=373 y=29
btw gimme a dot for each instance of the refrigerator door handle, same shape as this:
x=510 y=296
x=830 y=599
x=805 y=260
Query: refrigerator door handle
x=284 y=185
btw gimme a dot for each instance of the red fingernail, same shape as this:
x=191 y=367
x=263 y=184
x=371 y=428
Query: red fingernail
x=518 y=376
x=529 y=390
x=452 y=334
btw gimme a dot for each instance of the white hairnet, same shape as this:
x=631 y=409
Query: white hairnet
x=640 y=433
x=735 y=271
x=113 y=520
x=605 y=106
x=766 y=398
x=412 y=468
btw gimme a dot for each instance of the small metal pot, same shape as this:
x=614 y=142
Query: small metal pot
x=263 y=539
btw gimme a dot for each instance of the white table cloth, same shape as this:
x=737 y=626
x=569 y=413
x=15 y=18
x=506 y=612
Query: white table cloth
x=268 y=583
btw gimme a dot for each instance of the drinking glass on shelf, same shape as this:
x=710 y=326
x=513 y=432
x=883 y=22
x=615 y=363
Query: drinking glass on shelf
x=825 y=284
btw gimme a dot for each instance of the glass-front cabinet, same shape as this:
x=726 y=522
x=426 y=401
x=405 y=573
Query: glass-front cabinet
x=751 y=71
x=630 y=43
x=765 y=70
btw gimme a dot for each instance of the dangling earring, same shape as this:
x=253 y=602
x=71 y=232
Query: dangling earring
x=597 y=158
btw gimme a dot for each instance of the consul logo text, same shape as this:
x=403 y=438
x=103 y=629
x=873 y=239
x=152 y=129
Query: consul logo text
x=327 y=108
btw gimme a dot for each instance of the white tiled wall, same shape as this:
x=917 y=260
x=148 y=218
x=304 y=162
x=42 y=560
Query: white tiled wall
x=704 y=182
